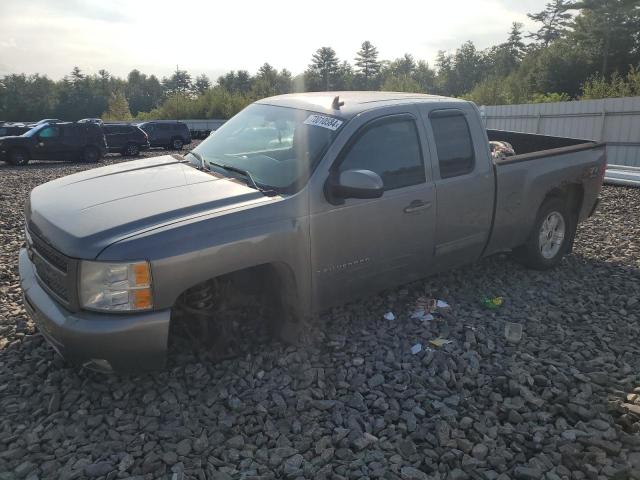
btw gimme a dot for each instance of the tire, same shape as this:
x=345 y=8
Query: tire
x=551 y=237
x=176 y=143
x=131 y=150
x=90 y=155
x=18 y=157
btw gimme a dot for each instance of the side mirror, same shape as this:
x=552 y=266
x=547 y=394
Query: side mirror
x=355 y=184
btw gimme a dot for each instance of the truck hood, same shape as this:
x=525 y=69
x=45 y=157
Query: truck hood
x=82 y=214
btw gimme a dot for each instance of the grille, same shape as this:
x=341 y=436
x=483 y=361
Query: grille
x=55 y=280
x=50 y=254
x=51 y=266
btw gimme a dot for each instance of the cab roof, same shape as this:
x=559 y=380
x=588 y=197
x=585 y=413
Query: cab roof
x=354 y=102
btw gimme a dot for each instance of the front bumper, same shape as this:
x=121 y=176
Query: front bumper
x=118 y=342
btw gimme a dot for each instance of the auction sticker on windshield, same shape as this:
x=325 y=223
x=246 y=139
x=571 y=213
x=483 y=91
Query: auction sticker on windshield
x=323 y=121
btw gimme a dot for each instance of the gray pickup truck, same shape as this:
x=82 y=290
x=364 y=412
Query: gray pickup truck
x=307 y=201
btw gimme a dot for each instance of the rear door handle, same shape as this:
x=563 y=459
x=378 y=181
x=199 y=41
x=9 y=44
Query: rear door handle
x=416 y=206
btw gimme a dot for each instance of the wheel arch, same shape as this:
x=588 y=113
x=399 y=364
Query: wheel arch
x=572 y=193
x=276 y=278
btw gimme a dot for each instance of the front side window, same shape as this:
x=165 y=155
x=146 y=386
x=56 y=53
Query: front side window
x=391 y=149
x=453 y=143
x=278 y=146
x=49 y=132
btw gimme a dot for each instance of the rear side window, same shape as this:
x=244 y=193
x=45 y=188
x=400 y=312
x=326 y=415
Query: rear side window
x=391 y=149
x=453 y=143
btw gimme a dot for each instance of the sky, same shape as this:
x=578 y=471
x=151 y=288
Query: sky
x=211 y=37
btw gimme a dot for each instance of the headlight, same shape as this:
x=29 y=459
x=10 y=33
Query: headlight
x=115 y=287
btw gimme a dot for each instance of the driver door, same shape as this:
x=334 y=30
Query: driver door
x=48 y=143
x=366 y=245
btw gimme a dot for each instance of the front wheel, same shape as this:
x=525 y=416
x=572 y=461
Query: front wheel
x=131 y=150
x=177 y=144
x=90 y=155
x=18 y=157
x=550 y=238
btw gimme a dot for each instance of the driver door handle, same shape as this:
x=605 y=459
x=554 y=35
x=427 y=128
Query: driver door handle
x=416 y=206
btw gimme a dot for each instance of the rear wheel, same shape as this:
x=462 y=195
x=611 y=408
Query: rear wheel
x=177 y=143
x=131 y=150
x=90 y=155
x=551 y=236
x=18 y=157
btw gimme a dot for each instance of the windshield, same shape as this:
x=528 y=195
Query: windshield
x=278 y=146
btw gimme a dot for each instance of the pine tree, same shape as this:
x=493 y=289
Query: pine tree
x=555 y=21
x=118 y=108
x=202 y=84
x=609 y=27
x=367 y=64
x=324 y=64
x=514 y=43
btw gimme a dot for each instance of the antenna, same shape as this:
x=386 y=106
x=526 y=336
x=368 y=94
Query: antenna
x=336 y=103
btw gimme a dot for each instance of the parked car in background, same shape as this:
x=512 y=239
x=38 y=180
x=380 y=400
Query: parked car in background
x=12 y=129
x=330 y=201
x=97 y=121
x=125 y=139
x=169 y=134
x=59 y=141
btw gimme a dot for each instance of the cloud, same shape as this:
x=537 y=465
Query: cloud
x=103 y=11
x=214 y=37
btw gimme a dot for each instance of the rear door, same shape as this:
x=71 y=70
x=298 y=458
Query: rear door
x=115 y=137
x=464 y=183
x=366 y=245
x=165 y=133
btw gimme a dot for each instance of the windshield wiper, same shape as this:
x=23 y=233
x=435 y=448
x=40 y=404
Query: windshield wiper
x=246 y=173
x=199 y=157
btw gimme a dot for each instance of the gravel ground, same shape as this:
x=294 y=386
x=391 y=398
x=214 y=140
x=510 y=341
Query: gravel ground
x=563 y=403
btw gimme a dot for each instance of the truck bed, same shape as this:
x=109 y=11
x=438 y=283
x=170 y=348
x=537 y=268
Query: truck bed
x=542 y=164
x=529 y=146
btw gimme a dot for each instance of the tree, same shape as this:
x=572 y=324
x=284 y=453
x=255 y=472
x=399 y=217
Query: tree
x=268 y=82
x=143 y=93
x=445 y=80
x=202 y=84
x=505 y=58
x=468 y=68
x=323 y=70
x=555 y=20
x=425 y=77
x=118 y=108
x=608 y=29
x=179 y=82
x=367 y=65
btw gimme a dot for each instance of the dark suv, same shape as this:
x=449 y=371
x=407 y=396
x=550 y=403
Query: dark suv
x=125 y=139
x=60 y=141
x=167 y=133
x=11 y=129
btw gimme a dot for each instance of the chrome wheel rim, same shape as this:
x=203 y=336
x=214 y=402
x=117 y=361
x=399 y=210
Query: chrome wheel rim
x=552 y=232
